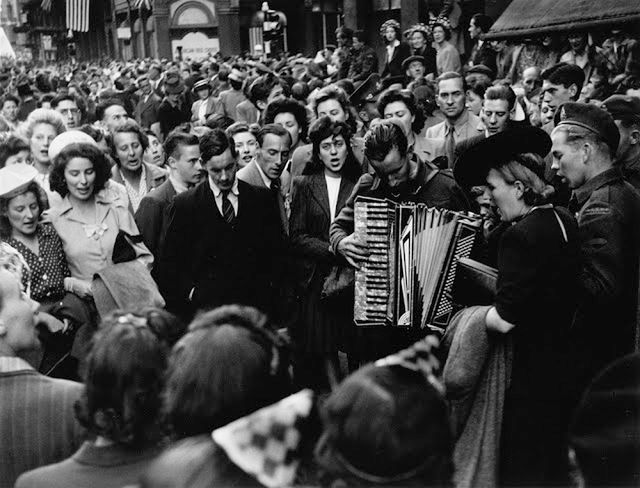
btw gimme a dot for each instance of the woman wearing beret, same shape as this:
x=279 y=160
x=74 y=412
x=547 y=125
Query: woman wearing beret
x=88 y=220
x=538 y=268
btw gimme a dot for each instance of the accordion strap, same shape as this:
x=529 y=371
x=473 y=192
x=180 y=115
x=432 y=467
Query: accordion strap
x=562 y=228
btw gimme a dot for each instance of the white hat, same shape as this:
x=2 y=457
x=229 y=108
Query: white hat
x=15 y=178
x=69 y=137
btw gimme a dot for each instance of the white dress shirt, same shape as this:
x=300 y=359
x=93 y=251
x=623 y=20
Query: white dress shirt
x=232 y=196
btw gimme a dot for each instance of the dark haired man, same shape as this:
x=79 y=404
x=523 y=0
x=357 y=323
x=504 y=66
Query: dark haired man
x=401 y=177
x=482 y=52
x=111 y=113
x=146 y=111
x=185 y=171
x=262 y=92
x=561 y=83
x=67 y=106
x=213 y=253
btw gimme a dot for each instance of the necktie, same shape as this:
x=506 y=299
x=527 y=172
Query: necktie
x=227 y=208
x=449 y=145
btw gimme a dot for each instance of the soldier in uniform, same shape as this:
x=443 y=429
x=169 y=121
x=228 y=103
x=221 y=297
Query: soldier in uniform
x=607 y=208
x=625 y=110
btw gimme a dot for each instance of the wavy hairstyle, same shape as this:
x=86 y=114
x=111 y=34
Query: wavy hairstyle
x=409 y=100
x=5 y=225
x=292 y=106
x=536 y=190
x=101 y=167
x=321 y=129
x=230 y=363
x=124 y=381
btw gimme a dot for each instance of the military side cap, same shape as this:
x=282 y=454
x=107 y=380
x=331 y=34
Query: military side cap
x=623 y=107
x=15 y=178
x=411 y=59
x=366 y=92
x=589 y=117
x=474 y=164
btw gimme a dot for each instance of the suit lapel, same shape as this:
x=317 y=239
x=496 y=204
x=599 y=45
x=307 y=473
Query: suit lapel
x=319 y=192
x=346 y=187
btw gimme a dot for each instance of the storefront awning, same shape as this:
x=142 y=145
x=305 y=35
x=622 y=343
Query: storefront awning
x=532 y=17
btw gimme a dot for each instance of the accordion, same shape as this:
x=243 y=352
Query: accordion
x=414 y=250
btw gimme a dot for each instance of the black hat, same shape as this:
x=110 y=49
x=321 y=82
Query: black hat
x=481 y=69
x=473 y=165
x=623 y=107
x=391 y=80
x=411 y=59
x=590 y=117
x=605 y=431
x=366 y=92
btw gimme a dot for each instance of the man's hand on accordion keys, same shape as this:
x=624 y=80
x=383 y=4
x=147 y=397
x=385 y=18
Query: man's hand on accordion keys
x=353 y=250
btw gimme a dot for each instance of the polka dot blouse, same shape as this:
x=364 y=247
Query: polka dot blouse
x=49 y=267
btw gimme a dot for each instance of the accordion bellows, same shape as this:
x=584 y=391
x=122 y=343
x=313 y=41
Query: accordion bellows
x=408 y=277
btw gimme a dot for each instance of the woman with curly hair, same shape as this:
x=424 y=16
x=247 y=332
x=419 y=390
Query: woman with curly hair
x=318 y=196
x=120 y=407
x=401 y=107
x=396 y=50
x=291 y=115
x=40 y=129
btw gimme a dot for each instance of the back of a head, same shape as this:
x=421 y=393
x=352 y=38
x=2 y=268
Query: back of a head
x=229 y=364
x=382 y=138
x=387 y=425
x=605 y=430
x=124 y=380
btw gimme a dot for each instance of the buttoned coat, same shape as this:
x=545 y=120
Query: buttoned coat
x=153 y=215
x=206 y=262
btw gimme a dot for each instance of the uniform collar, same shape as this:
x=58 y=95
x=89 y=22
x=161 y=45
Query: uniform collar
x=607 y=177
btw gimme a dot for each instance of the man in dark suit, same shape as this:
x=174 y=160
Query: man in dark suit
x=482 y=52
x=266 y=168
x=146 y=111
x=37 y=424
x=224 y=240
x=185 y=171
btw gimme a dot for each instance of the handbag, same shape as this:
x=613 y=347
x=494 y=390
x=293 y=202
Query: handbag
x=339 y=283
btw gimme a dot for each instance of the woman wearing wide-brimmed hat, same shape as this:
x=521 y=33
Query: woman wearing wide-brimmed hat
x=538 y=268
x=396 y=50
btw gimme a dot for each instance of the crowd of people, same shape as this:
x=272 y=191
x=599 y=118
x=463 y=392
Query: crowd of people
x=178 y=246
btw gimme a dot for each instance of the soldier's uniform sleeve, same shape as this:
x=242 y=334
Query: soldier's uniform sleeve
x=602 y=241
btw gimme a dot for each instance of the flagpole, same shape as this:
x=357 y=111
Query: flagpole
x=114 y=30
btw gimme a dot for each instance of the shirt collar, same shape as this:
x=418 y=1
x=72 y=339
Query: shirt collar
x=463 y=119
x=10 y=364
x=609 y=176
x=267 y=181
x=217 y=191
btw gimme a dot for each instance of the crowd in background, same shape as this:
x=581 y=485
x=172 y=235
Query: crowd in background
x=138 y=197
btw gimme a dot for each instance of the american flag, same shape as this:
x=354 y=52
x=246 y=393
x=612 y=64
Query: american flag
x=143 y=4
x=78 y=15
x=46 y=5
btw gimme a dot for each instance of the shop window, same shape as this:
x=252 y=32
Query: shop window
x=386 y=4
